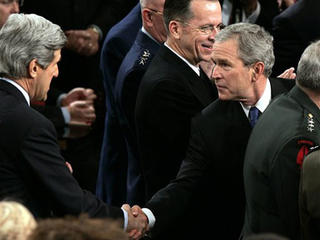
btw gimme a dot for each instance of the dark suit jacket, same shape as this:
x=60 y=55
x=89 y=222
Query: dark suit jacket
x=111 y=182
x=170 y=94
x=128 y=81
x=209 y=186
x=32 y=171
x=272 y=165
x=293 y=30
x=76 y=70
x=269 y=9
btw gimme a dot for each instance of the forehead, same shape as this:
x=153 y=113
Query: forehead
x=225 y=50
x=206 y=11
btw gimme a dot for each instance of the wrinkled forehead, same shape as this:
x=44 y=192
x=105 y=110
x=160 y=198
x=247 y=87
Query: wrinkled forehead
x=206 y=12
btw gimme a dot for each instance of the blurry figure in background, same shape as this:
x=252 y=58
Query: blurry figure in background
x=112 y=181
x=85 y=23
x=16 y=222
x=284 y=4
x=78 y=228
x=260 y=12
x=293 y=30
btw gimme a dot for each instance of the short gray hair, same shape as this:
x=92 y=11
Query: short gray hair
x=25 y=37
x=308 y=72
x=254 y=44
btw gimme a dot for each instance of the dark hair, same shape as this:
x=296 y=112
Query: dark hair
x=177 y=10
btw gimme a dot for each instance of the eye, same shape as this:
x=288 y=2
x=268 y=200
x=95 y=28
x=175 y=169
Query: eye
x=206 y=28
x=220 y=26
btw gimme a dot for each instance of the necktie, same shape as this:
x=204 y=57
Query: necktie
x=253 y=115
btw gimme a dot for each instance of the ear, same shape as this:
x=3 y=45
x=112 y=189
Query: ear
x=146 y=17
x=257 y=70
x=33 y=68
x=175 y=29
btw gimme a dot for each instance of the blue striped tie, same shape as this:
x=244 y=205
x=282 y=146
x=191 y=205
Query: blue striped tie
x=253 y=115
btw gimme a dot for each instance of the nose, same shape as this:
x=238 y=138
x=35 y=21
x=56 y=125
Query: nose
x=215 y=74
x=212 y=35
x=15 y=7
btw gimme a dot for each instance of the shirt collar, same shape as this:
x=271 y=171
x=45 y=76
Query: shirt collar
x=148 y=34
x=24 y=92
x=262 y=103
x=194 y=68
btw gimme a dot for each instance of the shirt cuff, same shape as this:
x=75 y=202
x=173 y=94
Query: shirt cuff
x=150 y=216
x=125 y=217
x=66 y=115
x=254 y=16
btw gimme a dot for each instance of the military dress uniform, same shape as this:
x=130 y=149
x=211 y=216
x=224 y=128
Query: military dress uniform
x=129 y=76
x=285 y=133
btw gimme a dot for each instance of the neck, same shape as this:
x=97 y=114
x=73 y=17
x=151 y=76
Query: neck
x=314 y=95
x=26 y=84
x=176 y=47
x=256 y=92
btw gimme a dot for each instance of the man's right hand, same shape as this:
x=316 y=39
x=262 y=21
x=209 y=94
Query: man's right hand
x=137 y=222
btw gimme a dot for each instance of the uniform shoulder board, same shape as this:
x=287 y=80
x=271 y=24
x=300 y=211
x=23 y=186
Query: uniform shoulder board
x=310 y=123
x=144 y=57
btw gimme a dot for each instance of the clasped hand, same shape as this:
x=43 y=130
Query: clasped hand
x=137 y=221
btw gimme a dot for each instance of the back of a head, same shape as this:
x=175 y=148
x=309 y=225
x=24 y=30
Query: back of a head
x=25 y=37
x=254 y=44
x=82 y=228
x=308 y=71
x=16 y=222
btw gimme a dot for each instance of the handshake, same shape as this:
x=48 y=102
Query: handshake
x=138 y=223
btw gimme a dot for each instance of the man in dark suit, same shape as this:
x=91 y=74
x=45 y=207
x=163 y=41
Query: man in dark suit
x=260 y=12
x=32 y=169
x=211 y=174
x=85 y=23
x=131 y=71
x=293 y=30
x=273 y=158
x=174 y=89
x=111 y=182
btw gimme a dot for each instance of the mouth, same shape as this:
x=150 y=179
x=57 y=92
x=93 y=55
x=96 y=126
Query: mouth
x=207 y=46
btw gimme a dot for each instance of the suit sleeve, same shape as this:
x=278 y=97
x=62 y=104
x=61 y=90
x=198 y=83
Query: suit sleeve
x=285 y=177
x=172 y=201
x=41 y=151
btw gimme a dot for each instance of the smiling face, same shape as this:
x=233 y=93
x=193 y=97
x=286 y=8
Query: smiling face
x=195 y=45
x=232 y=78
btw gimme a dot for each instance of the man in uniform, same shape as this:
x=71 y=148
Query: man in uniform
x=129 y=76
x=276 y=148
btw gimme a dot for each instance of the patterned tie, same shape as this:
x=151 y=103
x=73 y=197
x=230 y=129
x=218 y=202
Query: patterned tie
x=253 y=115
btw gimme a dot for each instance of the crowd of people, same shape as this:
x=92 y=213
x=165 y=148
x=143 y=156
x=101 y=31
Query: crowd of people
x=183 y=119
